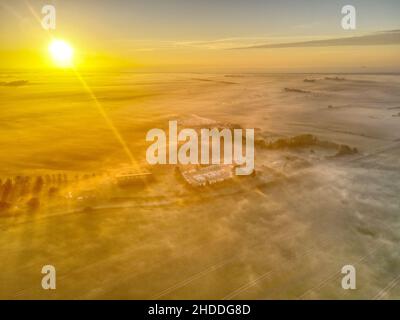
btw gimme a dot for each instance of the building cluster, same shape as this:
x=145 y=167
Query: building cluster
x=198 y=175
x=131 y=176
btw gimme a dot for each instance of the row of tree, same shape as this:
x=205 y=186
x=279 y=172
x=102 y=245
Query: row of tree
x=22 y=186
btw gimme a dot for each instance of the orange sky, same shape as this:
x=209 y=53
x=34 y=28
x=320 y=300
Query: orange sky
x=152 y=37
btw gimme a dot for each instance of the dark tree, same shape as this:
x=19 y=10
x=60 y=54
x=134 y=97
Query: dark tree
x=26 y=186
x=38 y=186
x=47 y=179
x=33 y=204
x=18 y=184
x=7 y=189
x=18 y=180
x=52 y=191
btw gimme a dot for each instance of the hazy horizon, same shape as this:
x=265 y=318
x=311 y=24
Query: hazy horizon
x=284 y=36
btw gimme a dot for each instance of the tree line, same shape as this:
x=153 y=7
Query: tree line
x=21 y=187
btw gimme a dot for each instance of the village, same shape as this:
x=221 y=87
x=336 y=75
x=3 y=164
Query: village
x=144 y=184
x=183 y=147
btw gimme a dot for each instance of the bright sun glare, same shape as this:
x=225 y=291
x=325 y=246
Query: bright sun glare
x=61 y=52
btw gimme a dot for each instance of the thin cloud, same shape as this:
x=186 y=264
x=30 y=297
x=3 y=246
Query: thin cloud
x=391 y=37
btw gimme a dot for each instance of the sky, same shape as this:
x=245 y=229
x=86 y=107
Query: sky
x=206 y=35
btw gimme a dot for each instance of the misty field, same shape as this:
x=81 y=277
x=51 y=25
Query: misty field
x=326 y=193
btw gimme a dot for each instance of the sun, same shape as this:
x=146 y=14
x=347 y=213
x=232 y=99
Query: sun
x=62 y=53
